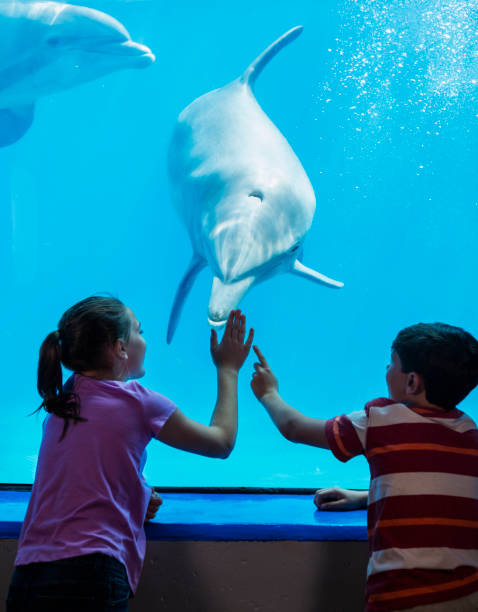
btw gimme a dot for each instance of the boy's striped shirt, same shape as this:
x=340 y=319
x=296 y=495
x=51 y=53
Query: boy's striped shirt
x=423 y=500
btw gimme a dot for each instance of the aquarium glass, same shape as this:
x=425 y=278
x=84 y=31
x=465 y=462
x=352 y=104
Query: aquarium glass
x=377 y=98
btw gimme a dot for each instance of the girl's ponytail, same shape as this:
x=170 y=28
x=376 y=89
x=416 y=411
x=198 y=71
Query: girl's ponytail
x=56 y=399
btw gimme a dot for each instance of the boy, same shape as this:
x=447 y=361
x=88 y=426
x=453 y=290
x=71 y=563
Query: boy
x=423 y=458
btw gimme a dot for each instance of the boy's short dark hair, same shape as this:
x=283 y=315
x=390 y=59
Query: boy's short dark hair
x=445 y=356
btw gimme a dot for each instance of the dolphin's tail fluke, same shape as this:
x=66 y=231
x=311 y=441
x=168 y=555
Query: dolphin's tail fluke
x=312 y=275
x=254 y=70
x=184 y=288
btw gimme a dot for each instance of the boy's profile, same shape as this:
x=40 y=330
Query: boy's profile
x=423 y=457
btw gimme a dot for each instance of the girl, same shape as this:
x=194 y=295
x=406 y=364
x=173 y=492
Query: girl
x=82 y=544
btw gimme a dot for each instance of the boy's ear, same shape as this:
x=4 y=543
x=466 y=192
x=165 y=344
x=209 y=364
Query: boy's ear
x=415 y=384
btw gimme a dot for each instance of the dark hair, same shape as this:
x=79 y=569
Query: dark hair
x=445 y=356
x=84 y=332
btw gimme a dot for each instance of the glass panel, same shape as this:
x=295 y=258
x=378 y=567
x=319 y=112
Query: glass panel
x=378 y=100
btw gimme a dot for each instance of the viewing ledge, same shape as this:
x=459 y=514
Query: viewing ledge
x=221 y=514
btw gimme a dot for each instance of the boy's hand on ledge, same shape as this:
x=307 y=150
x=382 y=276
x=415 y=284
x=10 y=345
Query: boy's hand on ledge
x=340 y=499
x=263 y=380
x=154 y=502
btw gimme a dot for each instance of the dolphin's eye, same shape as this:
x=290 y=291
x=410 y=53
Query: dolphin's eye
x=295 y=248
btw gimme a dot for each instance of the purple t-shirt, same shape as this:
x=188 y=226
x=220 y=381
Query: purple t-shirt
x=89 y=494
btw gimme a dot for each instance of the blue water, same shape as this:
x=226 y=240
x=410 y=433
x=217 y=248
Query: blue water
x=379 y=101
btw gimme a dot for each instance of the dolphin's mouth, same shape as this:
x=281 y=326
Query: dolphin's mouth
x=219 y=323
x=127 y=48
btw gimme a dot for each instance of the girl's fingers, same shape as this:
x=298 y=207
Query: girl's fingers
x=236 y=326
x=230 y=323
x=213 y=340
x=235 y=330
x=242 y=327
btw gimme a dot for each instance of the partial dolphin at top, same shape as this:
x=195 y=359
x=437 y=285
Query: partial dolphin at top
x=46 y=47
x=241 y=192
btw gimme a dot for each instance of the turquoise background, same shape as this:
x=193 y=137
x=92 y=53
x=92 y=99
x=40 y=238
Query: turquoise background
x=379 y=101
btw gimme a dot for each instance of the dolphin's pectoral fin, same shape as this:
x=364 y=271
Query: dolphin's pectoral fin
x=14 y=122
x=225 y=297
x=312 y=275
x=184 y=288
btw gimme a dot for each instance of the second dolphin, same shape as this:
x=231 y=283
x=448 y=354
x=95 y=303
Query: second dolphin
x=47 y=47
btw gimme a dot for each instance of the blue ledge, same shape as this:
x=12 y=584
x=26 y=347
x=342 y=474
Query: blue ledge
x=224 y=516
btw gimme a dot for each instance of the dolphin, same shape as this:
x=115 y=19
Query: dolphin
x=240 y=191
x=46 y=47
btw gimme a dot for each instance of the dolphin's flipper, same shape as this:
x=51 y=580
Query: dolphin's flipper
x=14 y=122
x=196 y=265
x=254 y=70
x=312 y=275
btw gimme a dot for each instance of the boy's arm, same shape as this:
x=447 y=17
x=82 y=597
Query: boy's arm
x=292 y=424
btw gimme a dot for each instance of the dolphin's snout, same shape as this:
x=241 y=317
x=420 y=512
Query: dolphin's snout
x=224 y=298
x=139 y=52
x=133 y=48
x=92 y=31
x=220 y=304
x=127 y=49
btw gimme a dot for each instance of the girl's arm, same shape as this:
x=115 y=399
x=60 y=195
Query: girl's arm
x=292 y=424
x=216 y=439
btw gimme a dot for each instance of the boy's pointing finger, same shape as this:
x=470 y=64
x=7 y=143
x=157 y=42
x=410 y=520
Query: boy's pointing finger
x=261 y=357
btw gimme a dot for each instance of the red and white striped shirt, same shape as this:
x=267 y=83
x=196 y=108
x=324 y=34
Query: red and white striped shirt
x=423 y=500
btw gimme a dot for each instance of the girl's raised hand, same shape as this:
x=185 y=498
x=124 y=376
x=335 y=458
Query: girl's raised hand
x=263 y=379
x=232 y=351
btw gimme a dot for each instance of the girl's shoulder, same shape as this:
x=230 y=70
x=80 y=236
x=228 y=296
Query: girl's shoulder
x=87 y=386
x=127 y=389
x=157 y=407
x=88 y=382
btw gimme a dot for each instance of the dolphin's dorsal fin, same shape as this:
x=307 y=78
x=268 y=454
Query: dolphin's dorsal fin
x=315 y=276
x=195 y=266
x=254 y=70
x=14 y=122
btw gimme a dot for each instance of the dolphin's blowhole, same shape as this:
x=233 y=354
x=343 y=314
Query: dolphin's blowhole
x=257 y=194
